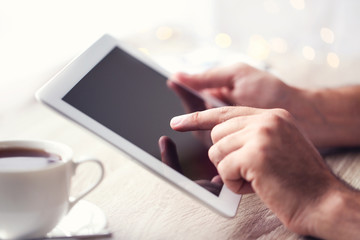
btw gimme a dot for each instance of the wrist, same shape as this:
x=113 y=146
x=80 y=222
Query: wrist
x=305 y=106
x=328 y=117
x=337 y=215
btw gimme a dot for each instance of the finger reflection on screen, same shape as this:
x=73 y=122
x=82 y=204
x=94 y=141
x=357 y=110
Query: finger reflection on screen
x=169 y=157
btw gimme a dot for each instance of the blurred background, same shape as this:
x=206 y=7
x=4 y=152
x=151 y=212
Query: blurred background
x=316 y=39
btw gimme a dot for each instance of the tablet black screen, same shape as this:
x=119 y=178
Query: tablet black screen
x=133 y=100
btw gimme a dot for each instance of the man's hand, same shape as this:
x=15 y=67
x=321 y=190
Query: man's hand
x=266 y=149
x=328 y=117
x=240 y=85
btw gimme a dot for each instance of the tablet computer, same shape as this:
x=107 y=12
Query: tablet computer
x=122 y=96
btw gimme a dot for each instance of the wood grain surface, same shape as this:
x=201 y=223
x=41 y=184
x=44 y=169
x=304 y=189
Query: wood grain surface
x=138 y=204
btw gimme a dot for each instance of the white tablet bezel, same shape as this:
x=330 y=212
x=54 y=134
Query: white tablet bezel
x=52 y=93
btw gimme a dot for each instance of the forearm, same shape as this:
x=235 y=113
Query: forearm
x=338 y=217
x=330 y=117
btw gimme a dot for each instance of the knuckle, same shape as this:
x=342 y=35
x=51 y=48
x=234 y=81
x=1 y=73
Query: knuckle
x=212 y=153
x=266 y=127
x=215 y=155
x=264 y=130
x=217 y=151
x=229 y=168
x=223 y=170
x=283 y=113
x=195 y=117
x=275 y=118
x=224 y=112
x=280 y=114
x=215 y=133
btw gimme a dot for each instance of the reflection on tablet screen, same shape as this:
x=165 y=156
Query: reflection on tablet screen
x=134 y=101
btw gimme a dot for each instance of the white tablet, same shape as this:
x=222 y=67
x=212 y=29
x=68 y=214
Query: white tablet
x=122 y=96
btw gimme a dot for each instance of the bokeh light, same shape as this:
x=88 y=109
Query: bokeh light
x=271 y=7
x=298 y=4
x=164 y=33
x=259 y=48
x=144 y=51
x=278 y=45
x=333 y=60
x=308 y=53
x=223 y=40
x=327 y=35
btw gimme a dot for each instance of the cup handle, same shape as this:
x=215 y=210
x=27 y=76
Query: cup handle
x=72 y=202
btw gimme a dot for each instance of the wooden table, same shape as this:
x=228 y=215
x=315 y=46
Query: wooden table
x=138 y=204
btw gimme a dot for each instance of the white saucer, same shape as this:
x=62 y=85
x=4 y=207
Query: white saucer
x=84 y=219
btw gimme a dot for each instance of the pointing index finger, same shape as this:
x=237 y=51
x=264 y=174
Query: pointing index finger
x=206 y=120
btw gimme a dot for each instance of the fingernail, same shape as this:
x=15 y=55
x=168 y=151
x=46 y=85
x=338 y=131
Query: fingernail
x=175 y=121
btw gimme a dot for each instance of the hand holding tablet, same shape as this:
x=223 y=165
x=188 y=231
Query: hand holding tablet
x=123 y=97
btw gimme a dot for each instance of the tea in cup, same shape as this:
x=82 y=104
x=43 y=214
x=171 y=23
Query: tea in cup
x=35 y=180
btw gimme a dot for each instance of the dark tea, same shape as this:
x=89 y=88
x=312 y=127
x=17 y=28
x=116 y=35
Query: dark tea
x=19 y=159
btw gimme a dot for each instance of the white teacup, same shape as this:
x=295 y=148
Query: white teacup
x=34 y=190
